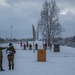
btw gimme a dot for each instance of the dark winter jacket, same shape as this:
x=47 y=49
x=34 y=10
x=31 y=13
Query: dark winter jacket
x=36 y=46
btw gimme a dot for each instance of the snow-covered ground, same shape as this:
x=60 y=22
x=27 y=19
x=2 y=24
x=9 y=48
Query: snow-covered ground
x=57 y=63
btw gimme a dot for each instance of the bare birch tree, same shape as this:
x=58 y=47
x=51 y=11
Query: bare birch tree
x=49 y=22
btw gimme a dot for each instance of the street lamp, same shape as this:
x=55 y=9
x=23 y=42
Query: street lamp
x=11 y=30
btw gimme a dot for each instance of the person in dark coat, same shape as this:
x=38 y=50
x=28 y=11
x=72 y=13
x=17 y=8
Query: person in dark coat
x=10 y=55
x=45 y=45
x=1 y=57
x=24 y=46
x=30 y=46
x=36 y=46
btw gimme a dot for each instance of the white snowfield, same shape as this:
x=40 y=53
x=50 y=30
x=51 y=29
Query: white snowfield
x=57 y=63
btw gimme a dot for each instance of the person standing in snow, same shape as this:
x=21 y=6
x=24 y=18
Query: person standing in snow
x=30 y=46
x=10 y=55
x=24 y=46
x=45 y=46
x=1 y=57
x=36 y=46
x=27 y=43
x=20 y=43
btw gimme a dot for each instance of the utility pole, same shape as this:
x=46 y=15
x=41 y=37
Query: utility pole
x=11 y=31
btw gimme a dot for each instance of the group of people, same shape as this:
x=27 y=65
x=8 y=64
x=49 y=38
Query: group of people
x=30 y=46
x=25 y=46
x=36 y=46
x=10 y=55
x=11 y=51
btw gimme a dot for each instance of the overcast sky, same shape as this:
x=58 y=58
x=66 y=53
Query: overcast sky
x=21 y=14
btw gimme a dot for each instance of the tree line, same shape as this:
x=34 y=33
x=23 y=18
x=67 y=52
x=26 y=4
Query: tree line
x=68 y=41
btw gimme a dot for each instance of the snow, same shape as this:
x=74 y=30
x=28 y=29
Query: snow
x=57 y=63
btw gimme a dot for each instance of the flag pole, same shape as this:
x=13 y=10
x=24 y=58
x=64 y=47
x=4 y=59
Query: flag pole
x=33 y=30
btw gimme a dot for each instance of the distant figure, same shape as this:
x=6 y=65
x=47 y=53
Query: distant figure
x=50 y=45
x=24 y=46
x=30 y=46
x=27 y=43
x=1 y=58
x=45 y=46
x=36 y=46
x=20 y=43
x=10 y=54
